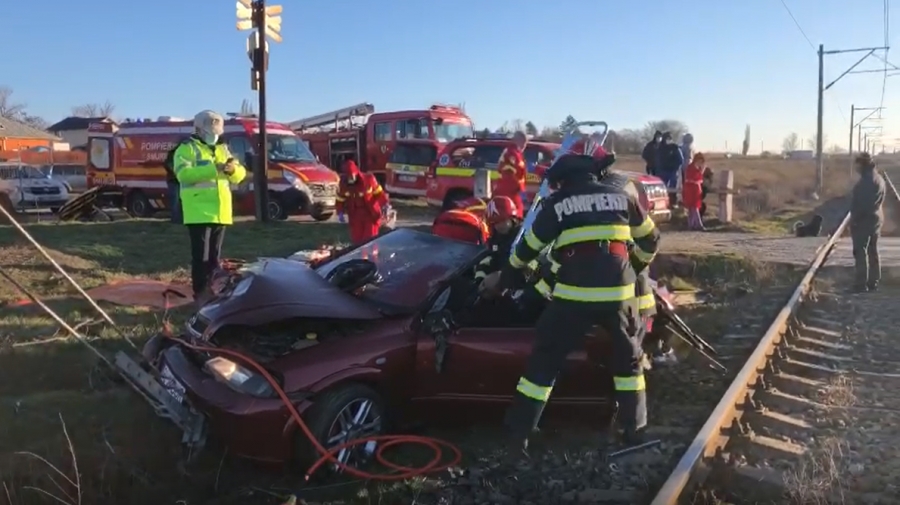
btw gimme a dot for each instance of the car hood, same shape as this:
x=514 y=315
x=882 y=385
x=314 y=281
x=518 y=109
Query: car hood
x=275 y=288
x=308 y=171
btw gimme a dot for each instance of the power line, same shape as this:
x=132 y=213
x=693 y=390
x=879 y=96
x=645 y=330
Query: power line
x=797 y=24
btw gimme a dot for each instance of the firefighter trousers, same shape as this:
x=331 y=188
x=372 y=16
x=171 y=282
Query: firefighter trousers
x=560 y=330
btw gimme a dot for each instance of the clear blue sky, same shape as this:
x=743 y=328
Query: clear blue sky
x=715 y=64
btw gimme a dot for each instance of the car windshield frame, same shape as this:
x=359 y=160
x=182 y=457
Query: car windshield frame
x=409 y=254
x=302 y=151
x=30 y=172
x=445 y=133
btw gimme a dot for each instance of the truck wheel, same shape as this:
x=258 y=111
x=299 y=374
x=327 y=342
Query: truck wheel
x=277 y=211
x=321 y=215
x=138 y=205
x=453 y=196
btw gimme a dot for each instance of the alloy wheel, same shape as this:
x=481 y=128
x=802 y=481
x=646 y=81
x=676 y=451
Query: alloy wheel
x=357 y=420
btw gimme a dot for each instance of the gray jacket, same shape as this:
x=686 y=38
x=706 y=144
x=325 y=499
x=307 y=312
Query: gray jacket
x=866 y=214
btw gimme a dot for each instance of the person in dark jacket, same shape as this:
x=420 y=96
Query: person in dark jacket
x=866 y=219
x=649 y=152
x=669 y=160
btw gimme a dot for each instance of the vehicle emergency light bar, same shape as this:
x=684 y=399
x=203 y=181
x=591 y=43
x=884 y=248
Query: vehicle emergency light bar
x=572 y=135
x=361 y=109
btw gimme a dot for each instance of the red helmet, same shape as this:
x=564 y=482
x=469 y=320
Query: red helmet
x=588 y=146
x=499 y=209
x=458 y=224
x=350 y=169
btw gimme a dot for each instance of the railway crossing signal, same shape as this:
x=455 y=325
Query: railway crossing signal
x=265 y=21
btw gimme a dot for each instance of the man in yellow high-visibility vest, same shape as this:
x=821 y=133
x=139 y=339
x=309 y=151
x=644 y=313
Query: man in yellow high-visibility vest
x=205 y=169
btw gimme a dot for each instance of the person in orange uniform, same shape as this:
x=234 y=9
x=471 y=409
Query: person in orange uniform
x=361 y=202
x=463 y=225
x=512 y=172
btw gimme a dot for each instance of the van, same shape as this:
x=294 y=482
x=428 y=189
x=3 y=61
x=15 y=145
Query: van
x=29 y=188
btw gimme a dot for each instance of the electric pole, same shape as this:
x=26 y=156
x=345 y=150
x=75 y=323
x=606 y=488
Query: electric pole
x=822 y=88
x=266 y=20
x=853 y=110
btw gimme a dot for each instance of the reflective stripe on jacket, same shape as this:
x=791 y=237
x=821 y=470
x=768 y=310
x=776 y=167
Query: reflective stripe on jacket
x=205 y=191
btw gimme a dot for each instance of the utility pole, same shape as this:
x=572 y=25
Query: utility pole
x=266 y=20
x=853 y=126
x=822 y=88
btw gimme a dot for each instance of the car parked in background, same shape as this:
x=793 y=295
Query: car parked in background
x=74 y=177
x=29 y=188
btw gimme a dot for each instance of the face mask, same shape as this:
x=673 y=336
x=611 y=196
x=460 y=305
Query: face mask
x=210 y=138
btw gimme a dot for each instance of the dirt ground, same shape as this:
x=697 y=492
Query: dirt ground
x=58 y=400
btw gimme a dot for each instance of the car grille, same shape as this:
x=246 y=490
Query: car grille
x=43 y=191
x=323 y=190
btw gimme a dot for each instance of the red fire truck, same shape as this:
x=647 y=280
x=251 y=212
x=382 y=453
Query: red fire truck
x=128 y=162
x=397 y=147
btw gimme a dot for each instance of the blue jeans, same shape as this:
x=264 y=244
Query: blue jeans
x=174 y=203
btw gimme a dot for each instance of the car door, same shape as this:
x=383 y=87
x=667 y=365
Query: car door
x=483 y=365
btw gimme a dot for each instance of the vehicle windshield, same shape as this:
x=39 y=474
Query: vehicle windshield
x=447 y=131
x=411 y=265
x=288 y=148
x=30 y=172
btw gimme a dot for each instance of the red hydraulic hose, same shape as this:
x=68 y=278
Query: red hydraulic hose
x=328 y=455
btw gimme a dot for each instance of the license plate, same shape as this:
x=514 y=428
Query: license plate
x=171 y=384
x=101 y=178
x=407 y=178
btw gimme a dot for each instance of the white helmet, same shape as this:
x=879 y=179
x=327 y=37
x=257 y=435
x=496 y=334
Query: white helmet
x=209 y=124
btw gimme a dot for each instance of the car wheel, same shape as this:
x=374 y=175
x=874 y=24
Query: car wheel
x=348 y=412
x=138 y=205
x=276 y=209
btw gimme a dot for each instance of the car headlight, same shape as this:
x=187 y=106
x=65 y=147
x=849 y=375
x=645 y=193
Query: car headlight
x=239 y=378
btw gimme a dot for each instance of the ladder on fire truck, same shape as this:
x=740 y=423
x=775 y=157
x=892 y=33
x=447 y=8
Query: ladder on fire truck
x=321 y=122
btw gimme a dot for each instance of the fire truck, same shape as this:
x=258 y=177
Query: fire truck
x=127 y=161
x=397 y=147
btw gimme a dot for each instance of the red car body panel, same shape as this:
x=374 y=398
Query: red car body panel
x=393 y=354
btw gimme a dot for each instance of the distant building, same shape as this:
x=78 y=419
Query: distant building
x=15 y=136
x=74 y=130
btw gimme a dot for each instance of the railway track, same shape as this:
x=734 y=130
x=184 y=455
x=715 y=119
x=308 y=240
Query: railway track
x=813 y=417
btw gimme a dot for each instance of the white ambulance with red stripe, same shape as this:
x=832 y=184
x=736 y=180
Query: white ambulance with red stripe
x=127 y=161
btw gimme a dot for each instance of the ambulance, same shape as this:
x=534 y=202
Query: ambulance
x=127 y=161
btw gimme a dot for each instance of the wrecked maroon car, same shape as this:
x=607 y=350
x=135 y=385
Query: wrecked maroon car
x=378 y=335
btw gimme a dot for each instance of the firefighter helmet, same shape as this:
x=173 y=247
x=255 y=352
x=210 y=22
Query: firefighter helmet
x=588 y=146
x=499 y=209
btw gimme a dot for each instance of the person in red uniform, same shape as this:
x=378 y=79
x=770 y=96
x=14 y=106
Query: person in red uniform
x=512 y=172
x=362 y=202
x=461 y=224
x=692 y=191
x=472 y=204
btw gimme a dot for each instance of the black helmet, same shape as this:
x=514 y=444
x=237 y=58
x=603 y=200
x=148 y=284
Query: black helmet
x=570 y=167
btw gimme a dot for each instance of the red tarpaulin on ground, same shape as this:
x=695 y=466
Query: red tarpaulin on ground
x=143 y=293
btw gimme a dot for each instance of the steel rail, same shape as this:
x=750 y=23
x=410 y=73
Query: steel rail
x=714 y=435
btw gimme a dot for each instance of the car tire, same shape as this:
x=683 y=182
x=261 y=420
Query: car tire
x=138 y=205
x=323 y=420
x=453 y=196
x=276 y=210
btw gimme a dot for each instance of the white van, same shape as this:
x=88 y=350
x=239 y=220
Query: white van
x=29 y=188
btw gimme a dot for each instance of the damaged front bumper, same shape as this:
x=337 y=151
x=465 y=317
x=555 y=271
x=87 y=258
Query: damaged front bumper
x=166 y=395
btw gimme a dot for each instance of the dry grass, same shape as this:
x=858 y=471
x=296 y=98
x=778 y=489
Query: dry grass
x=816 y=479
x=772 y=192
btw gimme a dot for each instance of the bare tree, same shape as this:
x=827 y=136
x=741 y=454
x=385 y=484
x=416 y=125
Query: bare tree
x=790 y=143
x=17 y=111
x=675 y=127
x=8 y=108
x=625 y=141
x=94 y=109
x=551 y=134
x=531 y=129
x=811 y=142
x=517 y=125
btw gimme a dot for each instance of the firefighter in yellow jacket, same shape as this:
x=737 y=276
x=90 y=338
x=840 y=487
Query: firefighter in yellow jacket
x=205 y=169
